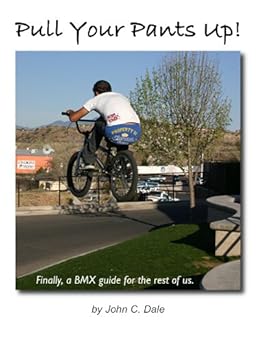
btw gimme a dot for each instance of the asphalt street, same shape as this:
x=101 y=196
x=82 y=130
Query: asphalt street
x=45 y=240
x=48 y=239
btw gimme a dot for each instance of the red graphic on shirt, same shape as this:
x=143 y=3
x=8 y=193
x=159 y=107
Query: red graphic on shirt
x=113 y=117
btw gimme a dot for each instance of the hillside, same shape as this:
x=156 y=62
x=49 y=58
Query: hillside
x=53 y=135
x=67 y=140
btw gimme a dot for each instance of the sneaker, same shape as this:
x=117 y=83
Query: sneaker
x=89 y=167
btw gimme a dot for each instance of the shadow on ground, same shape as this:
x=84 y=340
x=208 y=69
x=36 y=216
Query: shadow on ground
x=177 y=213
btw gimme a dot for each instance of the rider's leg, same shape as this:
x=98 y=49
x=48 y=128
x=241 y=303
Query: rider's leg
x=94 y=141
x=122 y=147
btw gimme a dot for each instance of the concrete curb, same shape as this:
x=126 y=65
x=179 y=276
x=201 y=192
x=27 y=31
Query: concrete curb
x=227 y=204
x=42 y=210
x=224 y=217
x=122 y=206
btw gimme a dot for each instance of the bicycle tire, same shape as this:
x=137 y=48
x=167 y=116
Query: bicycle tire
x=124 y=176
x=84 y=176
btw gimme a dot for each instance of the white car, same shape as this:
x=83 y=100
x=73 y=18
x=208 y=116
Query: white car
x=161 y=196
x=160 y=179
x=147 y=187
x=200 y=181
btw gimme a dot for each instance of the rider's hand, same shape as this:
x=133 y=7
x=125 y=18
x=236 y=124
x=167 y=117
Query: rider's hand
x=69 y=111
x=78 y=114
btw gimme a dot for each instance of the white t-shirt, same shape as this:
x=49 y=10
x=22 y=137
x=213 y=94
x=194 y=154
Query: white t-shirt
x=114 y=107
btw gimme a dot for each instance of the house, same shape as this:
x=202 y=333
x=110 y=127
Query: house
x=159 y=170
x=29 y=161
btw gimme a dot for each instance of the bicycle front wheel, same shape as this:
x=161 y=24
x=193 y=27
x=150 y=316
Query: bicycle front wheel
x=79 y=180
x=123 y=177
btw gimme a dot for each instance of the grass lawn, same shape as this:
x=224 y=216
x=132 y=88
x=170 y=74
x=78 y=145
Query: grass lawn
x=174 y=257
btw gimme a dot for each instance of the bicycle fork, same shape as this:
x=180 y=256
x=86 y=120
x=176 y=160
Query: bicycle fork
x=78 y=162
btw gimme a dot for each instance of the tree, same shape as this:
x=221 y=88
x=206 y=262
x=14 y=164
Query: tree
x=183 y=110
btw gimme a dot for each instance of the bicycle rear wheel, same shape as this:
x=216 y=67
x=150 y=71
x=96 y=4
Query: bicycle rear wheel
x=123 y=176
x=79 y=180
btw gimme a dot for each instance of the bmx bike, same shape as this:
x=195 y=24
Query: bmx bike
x=119 y=166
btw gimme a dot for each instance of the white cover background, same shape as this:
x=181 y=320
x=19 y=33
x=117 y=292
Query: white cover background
x=189 y=316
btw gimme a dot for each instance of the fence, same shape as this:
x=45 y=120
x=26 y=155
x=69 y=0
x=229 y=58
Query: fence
x=224 y=177
x=54 y=192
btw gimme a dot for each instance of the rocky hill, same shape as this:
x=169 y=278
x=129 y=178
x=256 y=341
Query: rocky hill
x=67 y=140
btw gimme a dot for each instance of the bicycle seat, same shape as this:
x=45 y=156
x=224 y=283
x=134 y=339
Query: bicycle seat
x=111 y=144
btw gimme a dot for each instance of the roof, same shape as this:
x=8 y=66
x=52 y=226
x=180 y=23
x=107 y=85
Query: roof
x=32 y=152
x=159 y=170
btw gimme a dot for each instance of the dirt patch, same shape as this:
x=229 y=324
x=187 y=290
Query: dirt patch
x=206 y=262
x=42 y=198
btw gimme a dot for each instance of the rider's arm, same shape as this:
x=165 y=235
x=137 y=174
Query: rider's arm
x=78 y=114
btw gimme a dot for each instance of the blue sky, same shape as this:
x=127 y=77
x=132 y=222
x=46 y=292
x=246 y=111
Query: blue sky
x=50 y=82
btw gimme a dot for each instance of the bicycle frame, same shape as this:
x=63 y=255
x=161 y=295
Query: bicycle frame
x=106 y=151
x=101 y=165
x=120 y=167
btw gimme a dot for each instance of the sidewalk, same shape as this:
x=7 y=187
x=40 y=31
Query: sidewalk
x=39 y=210
x=93 y=208
x=53 y=210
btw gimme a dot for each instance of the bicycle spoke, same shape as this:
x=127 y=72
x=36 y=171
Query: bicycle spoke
x=122 y=175
x=79 y=180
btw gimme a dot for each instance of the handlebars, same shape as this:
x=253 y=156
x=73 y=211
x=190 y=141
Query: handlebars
x=84 y=120
x=80 y=120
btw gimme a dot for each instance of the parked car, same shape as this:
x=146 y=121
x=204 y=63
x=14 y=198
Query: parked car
x=160 y=179
x=160 y=196
x=200 y=181
x=147 y=187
